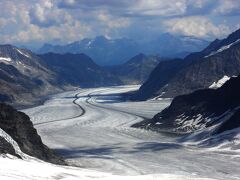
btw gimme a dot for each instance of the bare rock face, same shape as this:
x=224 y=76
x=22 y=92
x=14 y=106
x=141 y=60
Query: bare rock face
x=20 y=128
x=196 y=71
x=137 y=69
x=23 y=76
x=79 y=70
x=6 y=148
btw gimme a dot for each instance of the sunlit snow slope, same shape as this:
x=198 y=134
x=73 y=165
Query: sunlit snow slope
x=90 y=128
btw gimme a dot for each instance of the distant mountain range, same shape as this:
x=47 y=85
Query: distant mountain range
x=211 y=114
x=196 y=71
x=26 y=76
x=106 y=51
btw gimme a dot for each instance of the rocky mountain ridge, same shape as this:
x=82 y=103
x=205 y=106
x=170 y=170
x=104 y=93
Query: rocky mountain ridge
x=23 y=76
x=19 y=127
x=206 y=113
x=196 y=71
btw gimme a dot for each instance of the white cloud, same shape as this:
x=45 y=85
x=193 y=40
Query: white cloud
x=46 y=14
x=71 y=20
x=64 y=32
x=196 y=26
x=201 y=4
x=49 y=23
x=3 y=22
x=158 y=7
x=227 y=7
x=113 y=22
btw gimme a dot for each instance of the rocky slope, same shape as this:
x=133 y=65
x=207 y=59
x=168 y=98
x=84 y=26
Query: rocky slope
x=23 y=77
x=198 y=70
x=159 y=77
x=20 y=128
x=137 y=69
x=209 y=111
x=78 y=70
x=7 y=148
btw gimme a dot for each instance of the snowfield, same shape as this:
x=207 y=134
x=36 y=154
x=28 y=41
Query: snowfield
x=91 y=129
x=15 y=169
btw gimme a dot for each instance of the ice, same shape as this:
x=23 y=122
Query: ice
x=102 y=139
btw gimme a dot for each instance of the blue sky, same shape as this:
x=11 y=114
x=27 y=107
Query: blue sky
x=64 y=21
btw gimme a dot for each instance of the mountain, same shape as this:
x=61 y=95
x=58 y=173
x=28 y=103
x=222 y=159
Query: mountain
x=108 y=52
x=137 y=69
x=78 y=70
x=23 y=77
x=104 y=51
x=210 y=113
x=16 y=130
x=196 y=71
x=26 y=77
x=171 y=46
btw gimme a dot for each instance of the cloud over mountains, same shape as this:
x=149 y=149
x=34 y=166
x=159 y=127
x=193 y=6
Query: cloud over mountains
x=69 y=20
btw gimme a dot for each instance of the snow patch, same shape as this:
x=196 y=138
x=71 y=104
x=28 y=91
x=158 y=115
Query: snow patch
x=5 y=59
x=24 y=54
x=219 y=83
x=189 y=125
x=89 y=44
x=223 y=48
x=9 y=139
x=20 y=63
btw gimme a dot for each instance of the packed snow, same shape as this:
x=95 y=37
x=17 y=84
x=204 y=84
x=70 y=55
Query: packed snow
x=219 y=83
x=91 y=129
x=12 y=168
x=22 y=53
x=5 y=59
x=223 y=48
